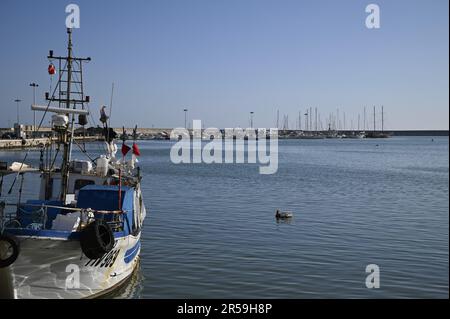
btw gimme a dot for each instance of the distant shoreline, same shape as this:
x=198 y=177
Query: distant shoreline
x=163 y=133
x=420 y=133
x=392 y=132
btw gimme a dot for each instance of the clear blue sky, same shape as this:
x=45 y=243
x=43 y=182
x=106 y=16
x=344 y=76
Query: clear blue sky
x=223 y=59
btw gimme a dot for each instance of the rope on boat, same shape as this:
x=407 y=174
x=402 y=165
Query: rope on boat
x=34 y=137
x=76 y=209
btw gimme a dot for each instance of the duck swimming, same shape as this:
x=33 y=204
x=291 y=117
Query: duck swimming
x=283 y=215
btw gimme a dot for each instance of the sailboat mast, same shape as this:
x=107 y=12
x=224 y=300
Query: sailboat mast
x=364 y=123
x=310 y=119
x=315 y=115
x=374 y=118
x=278 y=119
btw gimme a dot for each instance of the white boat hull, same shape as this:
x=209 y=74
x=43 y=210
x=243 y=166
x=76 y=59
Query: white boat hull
x=52 y=268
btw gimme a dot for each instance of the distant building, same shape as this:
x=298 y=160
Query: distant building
x=23 y=131
x=90 y=131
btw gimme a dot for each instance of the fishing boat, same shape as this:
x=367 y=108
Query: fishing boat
x=80 y=237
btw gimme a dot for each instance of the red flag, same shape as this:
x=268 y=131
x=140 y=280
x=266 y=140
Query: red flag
x=136 y=150
x=125 y=149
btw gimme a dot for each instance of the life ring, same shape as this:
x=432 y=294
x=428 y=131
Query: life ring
x=9 y=250
x=96 y=239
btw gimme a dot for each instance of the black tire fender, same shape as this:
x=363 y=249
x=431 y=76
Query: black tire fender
x=12 y=245
x=96 y=239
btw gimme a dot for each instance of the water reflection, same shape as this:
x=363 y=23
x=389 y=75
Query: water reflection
x=132 y=288
x=287 y=221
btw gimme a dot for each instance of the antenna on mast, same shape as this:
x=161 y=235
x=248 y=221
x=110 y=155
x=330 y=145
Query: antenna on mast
x=111 y=103
x=110 y=111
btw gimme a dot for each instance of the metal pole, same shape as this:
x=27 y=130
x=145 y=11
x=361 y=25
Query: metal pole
x=251 y=119
x=344 y=121
x=34 y=102
x=185 y=118
x=300 y=120
x=34 y=86
x=17 y=101
x=306 y=121
x=110 y=111
x=120 y=187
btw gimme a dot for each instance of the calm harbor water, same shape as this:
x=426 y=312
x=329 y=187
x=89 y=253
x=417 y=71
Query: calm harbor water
x=210 y=231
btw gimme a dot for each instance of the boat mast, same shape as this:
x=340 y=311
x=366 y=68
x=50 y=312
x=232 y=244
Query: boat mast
x=315 y=115
x=364 y=125
x=67 y=96
x=310 y=119
x=278 y=118
x=374 y=118
x=66 y=136
x=337 y=120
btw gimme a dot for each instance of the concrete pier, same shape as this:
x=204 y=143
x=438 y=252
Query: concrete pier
x=36 y=143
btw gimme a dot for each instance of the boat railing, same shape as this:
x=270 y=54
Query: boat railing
x=36 y=216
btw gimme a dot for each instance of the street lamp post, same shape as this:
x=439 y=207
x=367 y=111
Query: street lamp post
x=251 y=119
x=18 y=101
x=34 y=86
x=185 y=118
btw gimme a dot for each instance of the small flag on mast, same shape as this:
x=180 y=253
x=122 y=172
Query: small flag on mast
x=135 y=147
x=136 y=150
x=125 y=149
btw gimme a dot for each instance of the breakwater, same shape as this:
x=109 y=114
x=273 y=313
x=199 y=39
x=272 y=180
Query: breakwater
x=37 y=142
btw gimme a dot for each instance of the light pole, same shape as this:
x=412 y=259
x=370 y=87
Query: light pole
x=185 y=118
x=34 y=86
x=17 y=101
x=251 y=119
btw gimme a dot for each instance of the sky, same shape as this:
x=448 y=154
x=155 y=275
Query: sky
x=222 y=59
